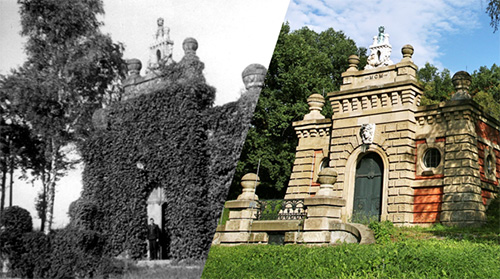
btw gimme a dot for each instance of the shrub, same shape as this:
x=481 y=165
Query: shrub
x=84 y=214
x=76 y=253
x=16 y=220
x=383 y=231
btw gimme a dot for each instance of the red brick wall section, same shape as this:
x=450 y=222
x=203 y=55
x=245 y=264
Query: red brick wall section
x=481 y=148
x=427 y=204
x=487 y=132
x=486 y=195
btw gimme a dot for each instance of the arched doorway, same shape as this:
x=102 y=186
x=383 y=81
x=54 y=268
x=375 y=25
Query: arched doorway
x=156 y=209
x=368 y=189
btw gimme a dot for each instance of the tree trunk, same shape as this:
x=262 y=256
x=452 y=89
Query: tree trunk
x=51 y=188
x=2 y=200
x=11 y=166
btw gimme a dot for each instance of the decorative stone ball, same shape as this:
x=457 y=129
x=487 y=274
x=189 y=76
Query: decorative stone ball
x=461 y=80
x=353 y=61
x=250 y=181
x=254 y=76
x=316 y=101
x=190 y=45
x=407 y=51
x=134 y=66
x=327 y=176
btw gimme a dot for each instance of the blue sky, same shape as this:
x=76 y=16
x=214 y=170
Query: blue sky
x=452 y=34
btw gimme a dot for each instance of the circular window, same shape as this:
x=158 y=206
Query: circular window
x=489 y=164
x=432 y=158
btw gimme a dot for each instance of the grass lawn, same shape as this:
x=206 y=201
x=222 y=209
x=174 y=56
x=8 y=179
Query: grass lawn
x=189 y=270
x=407 y=252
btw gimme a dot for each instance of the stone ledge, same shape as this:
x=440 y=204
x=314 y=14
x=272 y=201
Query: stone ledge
x=318 y=200
x=276 y=225
x=241 y=204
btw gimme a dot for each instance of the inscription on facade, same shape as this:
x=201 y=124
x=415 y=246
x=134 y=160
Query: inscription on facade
x=376 y=76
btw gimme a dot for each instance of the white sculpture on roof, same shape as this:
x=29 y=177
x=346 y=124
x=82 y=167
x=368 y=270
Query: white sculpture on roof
x=380 y=51
x=160 y=51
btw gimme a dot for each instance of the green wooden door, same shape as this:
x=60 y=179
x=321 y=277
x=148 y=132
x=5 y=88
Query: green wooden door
x=368 y=189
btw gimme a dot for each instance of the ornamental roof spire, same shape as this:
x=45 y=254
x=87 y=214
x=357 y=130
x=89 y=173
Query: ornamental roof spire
x=380 y=50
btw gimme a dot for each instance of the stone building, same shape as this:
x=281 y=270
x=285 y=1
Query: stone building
x=392 y=158
x=166 y=152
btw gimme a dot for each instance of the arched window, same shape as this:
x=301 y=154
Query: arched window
x=489 y=165
x=158 y=56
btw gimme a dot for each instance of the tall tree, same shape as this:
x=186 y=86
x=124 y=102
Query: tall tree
x=68 y=73
x=303 y=62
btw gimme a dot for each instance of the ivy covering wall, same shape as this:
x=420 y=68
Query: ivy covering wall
x=182 y=144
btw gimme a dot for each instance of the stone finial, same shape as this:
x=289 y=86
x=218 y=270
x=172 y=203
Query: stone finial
x=407 y=52
x=253 y=76
x=353 y=62
x=461 y=81
x=190 y=45
x=316 y=103
x=326 y=177
x=249 y=182
x=134 y=67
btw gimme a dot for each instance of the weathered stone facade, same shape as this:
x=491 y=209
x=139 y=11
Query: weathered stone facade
x=454 y=189
x=381 y=156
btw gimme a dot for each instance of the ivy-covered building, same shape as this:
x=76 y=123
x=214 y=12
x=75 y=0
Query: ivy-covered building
x=165 y=152
x=382 y=156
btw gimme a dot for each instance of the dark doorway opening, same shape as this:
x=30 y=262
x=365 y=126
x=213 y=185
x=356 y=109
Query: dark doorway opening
x=368 y=189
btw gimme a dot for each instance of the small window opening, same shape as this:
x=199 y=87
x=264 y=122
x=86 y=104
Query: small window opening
x=489 y=164
x=158 y=55
x=432 y=158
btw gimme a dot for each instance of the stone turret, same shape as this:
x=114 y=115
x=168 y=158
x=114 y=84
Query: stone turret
x=160 y=50
x=380 y=50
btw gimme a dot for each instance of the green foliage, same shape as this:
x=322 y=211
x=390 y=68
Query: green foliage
x=485 y=89
x=437 y=85
x=493 y=10
x=303 y=62
x=493 y=214
x=407 y=259
x=383 y=231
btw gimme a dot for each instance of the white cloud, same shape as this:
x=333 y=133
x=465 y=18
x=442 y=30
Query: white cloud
x=423 y=24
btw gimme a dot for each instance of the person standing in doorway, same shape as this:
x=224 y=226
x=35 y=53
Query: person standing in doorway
x=153 y=239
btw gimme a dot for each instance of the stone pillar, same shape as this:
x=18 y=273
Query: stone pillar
x=323 y=210
x=242 y=212
x=312 y=151
x=462 y=201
